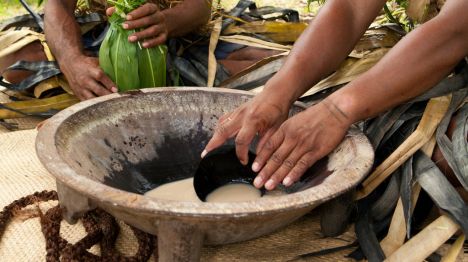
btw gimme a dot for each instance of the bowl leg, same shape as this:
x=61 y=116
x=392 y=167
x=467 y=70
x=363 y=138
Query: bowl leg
x=179 y=242
x=74 y=204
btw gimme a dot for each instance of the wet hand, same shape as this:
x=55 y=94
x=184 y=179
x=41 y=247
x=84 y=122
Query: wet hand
x=262 y=115
x=150 y=20
x=298 y=144
x=86 y=79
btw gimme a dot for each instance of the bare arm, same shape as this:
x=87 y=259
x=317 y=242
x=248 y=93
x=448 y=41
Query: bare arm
x=63 y=35
x=61 y=29
x=318 y=52
x=415 y=64
x=187 y=16
x=323 y=46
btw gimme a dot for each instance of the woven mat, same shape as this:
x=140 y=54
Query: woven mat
x=22 y=174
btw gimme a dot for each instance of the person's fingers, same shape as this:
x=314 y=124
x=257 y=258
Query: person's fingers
x=256 y=166
x=150 y=32
x=225 y=117
x=86 y=94
x=264 y=137
x=110 y=11
x=301 y=166
x=223 y=131
x=159 y=40
x=153 y=19
x=101 y=77
x=96 y=88
x=243 y=139
x=142 y=11
x=269 y=146
x=273 y=164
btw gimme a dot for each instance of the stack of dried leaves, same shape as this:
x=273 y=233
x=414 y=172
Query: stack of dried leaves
x=101 y=229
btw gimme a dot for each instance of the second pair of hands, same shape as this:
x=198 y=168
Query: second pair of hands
x=287 y=147
x=85 y=77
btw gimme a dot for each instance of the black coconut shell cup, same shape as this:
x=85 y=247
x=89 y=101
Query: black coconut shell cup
x=221 y=167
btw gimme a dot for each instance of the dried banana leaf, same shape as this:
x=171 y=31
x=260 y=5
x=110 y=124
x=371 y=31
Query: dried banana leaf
x=455 y=249
x=254 y=42
x=396 y=232
x=421 y=10
x=388 y=200
x=45 y=86
x=440 y=190
x=460 y=144
x=258 y=69
x=274 y=13
x=425 y=242
x=241 y=6
x=446 y=146
x=42 y=70
x=212 y=64
x=368 y=241
x=279 y=32
x=188 y=71
x=377 y=38
x=14 y=40
x=433 y=114
x=256 y=75
x=407 y=193
x=397 y=129
x=37 y=106
x=380 y=126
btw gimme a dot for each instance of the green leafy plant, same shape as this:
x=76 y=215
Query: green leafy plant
x=130 y=65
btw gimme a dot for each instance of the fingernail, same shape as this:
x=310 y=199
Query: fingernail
x=114 y=89
x=269 y=184
x=287 y=181
x=255 y=167
x=129 y=17
x=125 y=26
x=258 y=182
x=203 y=154
x=132 y=38
x=145 y=44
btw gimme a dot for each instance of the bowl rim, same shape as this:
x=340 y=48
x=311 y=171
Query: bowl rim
x=49 y=156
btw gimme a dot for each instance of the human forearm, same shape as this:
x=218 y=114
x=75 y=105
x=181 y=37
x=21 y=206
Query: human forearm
x=187 y=16
x=323 y=46
x=413 y=66
x=61 y=30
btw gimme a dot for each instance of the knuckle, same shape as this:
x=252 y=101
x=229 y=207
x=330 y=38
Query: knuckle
x=221 y=130
x=269 y=145
x=240 y=141
x=100 y=74
x=302 y=164
x=276 y=158
x=288 y=164
x=152 y=7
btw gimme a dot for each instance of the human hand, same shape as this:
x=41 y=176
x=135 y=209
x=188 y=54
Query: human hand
x=86 y=78
x=299 y=143
x=150 y=20
x=262 y=115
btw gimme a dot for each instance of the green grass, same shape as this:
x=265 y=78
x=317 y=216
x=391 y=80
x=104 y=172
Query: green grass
x=10 y=8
